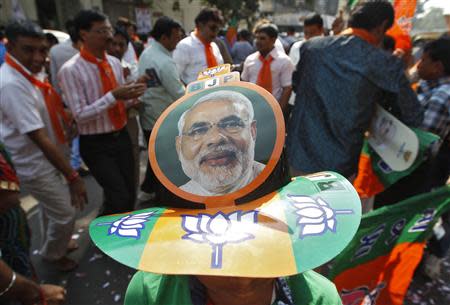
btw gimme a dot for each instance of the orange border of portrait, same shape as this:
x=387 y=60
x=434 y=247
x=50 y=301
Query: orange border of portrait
x=228 y=199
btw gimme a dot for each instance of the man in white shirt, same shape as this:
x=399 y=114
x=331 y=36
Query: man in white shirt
x=268 y=67
x=31 y=129
x=312 y=27
x=197 y=52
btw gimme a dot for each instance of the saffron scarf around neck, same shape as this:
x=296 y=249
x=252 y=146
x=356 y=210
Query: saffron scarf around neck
x=363 y=34
x=211 y=60
x=265 y=74
x=117 y=113
x=53 y=102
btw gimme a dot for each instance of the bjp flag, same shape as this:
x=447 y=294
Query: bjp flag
x=378 y=265
x=374 y=175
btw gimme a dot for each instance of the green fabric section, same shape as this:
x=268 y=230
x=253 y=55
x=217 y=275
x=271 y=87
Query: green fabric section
x=125 y=250
x=411 y=220
x=308 y=288
x=351 y=3
x=314 y=250
x=426 y=139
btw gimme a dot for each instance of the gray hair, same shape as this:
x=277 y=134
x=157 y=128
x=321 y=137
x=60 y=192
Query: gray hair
x=222 y=95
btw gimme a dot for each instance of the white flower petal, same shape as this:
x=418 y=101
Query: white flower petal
x=195 y=237
x=307 y=220
x=131 y=221
x=301 y=199
x=322 y=202
x=112 y=229
x=203 y=225
x=190 y=223
x=237 y=237
x=135 y=226
x=329 y=212
x=250 y=217
x=305 y=205
x=218 y=225
x=130 y=233
x=313 y=229
x=118 y=222
x=311 y=212
x=143 y=215
x=331 y=224
x=216 y=239
x=235 y=216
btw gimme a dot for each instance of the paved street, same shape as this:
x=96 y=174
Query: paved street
x=100 y=280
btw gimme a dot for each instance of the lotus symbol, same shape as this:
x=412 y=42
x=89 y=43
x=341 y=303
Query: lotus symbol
x=218 y=230
x=128 y=226
x=315 y=216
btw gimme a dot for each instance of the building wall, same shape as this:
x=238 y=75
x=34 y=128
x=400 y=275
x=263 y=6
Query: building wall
x=185 y=15
x=28 y=7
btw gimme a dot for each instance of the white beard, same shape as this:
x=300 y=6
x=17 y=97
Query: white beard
x=220 y=179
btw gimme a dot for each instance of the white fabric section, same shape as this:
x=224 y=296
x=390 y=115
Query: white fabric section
x=294 y=54
x=130 y=55
x=23 y=110
x=59 y=54
x=190 y=57
x=58 y=215
x=82 y=90
x=281 y=68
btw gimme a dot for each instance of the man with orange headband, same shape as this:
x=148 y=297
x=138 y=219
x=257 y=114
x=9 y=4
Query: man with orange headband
x=197 y=52
x=340 y=79
x=33 y=127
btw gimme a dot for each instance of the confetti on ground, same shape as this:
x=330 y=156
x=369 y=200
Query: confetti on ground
x=117 y=298
x=95 y=257
x=105 y=285
x=75 y=236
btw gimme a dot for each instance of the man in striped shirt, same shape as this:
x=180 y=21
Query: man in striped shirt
x=93 y=86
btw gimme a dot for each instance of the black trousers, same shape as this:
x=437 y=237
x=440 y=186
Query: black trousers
x=110 y=160
x=150 y=184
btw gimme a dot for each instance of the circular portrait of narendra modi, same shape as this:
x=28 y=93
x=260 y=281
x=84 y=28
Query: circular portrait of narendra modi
x=219 y=143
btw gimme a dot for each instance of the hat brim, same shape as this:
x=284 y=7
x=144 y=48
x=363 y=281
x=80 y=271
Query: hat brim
x=297 y=228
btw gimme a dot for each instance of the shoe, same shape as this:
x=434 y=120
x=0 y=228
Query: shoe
x=432 y=266
x=143 y=196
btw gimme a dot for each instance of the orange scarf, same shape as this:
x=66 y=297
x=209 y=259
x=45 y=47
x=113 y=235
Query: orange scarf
x=361 y=33
x=117 y=113
x=53 y=102
x=211 y=60
x=265 y=74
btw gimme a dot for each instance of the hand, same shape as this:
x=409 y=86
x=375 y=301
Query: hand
x=143 y=79
x=54 y=295
x=129 y=91
x=26 y=291
x=78 y=194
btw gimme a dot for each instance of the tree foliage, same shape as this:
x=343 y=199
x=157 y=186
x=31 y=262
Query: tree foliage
x=236 y=9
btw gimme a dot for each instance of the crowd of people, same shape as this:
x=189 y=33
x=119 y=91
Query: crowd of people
x=81 y=107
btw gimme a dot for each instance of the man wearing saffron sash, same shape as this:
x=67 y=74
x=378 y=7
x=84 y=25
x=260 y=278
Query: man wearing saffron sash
x=93 y=87
x=197 y=52
x=340 y=79
x=33 y=128
x=268 y=67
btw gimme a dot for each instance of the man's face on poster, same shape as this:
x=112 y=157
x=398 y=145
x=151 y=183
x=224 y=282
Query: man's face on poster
x=217 y=144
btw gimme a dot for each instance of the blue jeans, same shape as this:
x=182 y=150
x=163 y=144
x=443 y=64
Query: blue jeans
x=75 y=158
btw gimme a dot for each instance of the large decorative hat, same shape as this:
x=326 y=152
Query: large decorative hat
x=215 y=146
